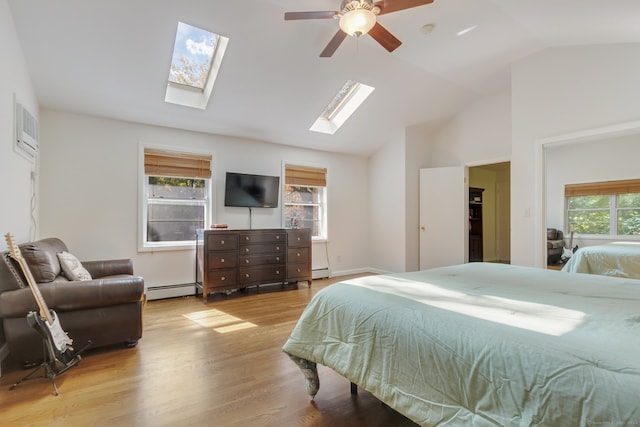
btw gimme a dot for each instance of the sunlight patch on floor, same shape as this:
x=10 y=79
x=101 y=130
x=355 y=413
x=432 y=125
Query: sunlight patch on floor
x=219 y=321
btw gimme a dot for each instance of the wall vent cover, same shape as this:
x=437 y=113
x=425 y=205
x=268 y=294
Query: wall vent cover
x=26 y=132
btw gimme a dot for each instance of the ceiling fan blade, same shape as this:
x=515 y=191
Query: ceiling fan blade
x=333 y=44
x=384 y=37
x=288 y=16
x=388 y=6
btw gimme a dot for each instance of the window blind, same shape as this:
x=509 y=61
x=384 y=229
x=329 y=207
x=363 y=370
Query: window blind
x=302 y=175
x=602 y=188
x=172 y=163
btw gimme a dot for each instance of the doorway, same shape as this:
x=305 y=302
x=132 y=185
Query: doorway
x=495 y=181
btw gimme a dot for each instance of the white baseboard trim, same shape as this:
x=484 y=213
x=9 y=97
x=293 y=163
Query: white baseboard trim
x=170 y=291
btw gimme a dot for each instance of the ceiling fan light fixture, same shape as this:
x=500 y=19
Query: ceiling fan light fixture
x=357 y=22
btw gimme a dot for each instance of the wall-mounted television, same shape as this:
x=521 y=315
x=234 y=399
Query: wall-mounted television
x=251 y=191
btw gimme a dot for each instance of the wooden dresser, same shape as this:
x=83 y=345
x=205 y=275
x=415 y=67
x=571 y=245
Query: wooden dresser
x=237 y=259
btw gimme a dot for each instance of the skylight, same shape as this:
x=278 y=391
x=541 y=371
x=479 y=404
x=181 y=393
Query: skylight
x=192 y=56
x=341 y=107
x=197 y=55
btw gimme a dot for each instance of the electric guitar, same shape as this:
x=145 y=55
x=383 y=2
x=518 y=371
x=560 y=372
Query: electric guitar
x=46 y=321
x=568 y=252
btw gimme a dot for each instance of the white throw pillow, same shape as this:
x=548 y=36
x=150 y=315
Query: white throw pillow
x=72 y=267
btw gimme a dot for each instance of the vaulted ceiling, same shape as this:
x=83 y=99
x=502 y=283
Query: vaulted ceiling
x=111 y=58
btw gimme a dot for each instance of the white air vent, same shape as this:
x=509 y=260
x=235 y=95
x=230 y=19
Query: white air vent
x=26 y=131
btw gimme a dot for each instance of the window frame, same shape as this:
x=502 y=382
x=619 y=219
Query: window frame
x=323 y=205
x=143 y=201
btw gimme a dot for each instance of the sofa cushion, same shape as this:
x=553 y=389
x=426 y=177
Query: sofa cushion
x=42 y=258
x=72 y=267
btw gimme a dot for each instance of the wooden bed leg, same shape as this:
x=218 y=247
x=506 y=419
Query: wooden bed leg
x=354 y=388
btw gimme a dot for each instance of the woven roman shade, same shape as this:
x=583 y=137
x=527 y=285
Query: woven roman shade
x=305 y=176
x=172 y=163
x=602 y=188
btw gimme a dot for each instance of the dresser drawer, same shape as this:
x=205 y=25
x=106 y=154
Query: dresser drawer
x=299 y=237
x=262 y=259
x=298 y=271
x=262 y=274
x=263 y=248
x=220 y=242
x=222 y=277
x=221 y=259
x=298 y=255
x=263 y=237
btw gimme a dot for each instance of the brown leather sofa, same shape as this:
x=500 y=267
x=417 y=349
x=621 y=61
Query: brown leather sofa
x=106 y=310
x=555 y=245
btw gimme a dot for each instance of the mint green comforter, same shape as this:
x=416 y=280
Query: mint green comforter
x=482 y=345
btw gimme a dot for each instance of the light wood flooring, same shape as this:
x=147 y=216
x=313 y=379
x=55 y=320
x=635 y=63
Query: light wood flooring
x=218 y=364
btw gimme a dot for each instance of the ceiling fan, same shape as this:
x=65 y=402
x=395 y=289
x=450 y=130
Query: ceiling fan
x=359 y=17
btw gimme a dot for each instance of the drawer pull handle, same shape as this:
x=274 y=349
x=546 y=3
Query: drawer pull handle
x=277 y=271
x=298 y=270
x=246 y=275
x=298 y=254
x=223 y=278
x=277 y=248
x=299 y=239
x=221 y=259
x=277 y=258
x=222 y=242
x=246 y=261
x=246 y=238
x=277 y=237
x=246 y=249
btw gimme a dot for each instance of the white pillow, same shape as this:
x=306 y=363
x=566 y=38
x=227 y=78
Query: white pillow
x=73 y=268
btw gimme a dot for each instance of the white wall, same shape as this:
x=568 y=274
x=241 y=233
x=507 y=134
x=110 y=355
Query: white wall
x=89 y=191
x=614 y=158
x=557 y=92
x=387 y=210
x=417 y=156
x=16 y=188
x=480 y=134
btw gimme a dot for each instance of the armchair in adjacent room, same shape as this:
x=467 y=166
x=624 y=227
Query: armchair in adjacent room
x=99 y=301
x=555 y=245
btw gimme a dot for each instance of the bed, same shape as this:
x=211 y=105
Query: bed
x=620 y=259
x=481 y=344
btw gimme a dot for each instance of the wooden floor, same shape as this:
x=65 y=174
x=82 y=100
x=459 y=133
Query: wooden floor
x=218 y=364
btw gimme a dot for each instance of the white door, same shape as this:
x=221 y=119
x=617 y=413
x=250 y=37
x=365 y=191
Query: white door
x=444 y=217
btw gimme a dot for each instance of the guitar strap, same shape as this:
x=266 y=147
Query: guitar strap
x=6 y=257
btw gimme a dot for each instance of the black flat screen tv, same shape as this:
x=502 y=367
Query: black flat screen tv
x=251 y=191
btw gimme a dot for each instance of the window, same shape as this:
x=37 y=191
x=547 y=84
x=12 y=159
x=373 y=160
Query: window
x=607 y=208
x=195 y=63
x=192 y=56
x=342 y=106
x=305 y=199
x=176 y=201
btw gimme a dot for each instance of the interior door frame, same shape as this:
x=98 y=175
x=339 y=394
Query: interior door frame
x=485 y=163
x=540 y=217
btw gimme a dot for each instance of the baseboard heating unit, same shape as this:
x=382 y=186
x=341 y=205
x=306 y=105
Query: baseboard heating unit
x=320 y=273
x=170 y=291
